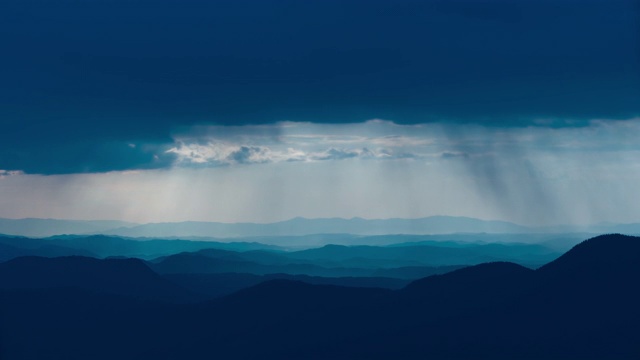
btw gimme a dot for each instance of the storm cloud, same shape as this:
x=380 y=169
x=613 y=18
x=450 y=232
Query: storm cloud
x=83 y=74
x=162 y=110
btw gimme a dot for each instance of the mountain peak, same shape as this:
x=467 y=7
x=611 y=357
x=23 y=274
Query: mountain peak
x=600 y=251
x=477 y=274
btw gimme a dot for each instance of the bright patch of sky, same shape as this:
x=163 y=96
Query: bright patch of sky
x=376 y=169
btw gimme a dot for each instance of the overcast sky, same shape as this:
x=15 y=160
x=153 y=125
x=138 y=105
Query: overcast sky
x=244 y=110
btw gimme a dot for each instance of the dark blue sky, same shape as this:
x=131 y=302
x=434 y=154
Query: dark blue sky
x=82 y=79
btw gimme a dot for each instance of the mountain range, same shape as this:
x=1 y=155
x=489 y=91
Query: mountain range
x=293 y=227
x=581 y=305
x=403 y=260
x=48 y=227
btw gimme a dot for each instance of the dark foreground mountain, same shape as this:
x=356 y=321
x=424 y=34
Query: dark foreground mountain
x=125 y=277
x=582 y=305
x=216 y=285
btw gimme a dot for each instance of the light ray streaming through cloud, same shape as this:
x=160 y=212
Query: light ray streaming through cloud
x=532 y=175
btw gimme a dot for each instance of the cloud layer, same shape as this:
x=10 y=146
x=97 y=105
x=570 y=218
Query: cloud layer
x=378 y=169
x=147 y=68
x=385 y=140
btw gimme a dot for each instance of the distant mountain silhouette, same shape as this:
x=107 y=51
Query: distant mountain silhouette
x=196 y=263
x=105 y=246
x=360 y=262
x=428 y=254
x=13 y=247
x=583 y=305
x=407 y=262
x=302 y=226
x=50 y=227
x=342 y=231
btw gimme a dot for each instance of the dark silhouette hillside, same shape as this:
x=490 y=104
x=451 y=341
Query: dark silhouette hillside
x=201 y=264
x=598 y=272
x=12 y=247
x=255 y=263
x=492 y=311
x=407 y=262
x=489 y=283
x=584 y=305
x=429 y=254
x=599 y=254
x=106 y=246
x=129 y=277
x=215 y=285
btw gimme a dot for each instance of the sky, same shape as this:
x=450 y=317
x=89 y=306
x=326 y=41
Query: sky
x=250 y=110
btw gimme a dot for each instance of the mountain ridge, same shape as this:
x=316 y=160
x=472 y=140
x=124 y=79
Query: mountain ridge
x=298 y=226
x=302 y=226
x=490 y=311
x=130 y=277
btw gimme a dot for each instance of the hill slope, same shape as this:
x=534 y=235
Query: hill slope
x=583 y=305
x=127 y=277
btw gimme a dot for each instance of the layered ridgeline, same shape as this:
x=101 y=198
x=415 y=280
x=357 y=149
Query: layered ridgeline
x=293 y=227
x=581 y=305
x=49 y=227
x=421 y=256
